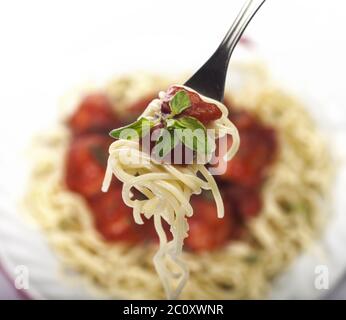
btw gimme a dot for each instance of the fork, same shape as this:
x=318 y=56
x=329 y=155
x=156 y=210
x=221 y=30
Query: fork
x=210 y=79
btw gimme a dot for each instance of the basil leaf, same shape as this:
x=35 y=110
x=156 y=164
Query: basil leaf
x=192 y=133
x=194 y=139
x=136 y=129
x=185 y=123
x=180 y=102
x=190 y=123
x=170 y=123
x=166 y=142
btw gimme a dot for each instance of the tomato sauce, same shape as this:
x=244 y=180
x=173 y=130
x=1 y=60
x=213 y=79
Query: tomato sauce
x=199 y=109
x=94 y=115
x=240 y=185
x=86 y=163
x=257 y=151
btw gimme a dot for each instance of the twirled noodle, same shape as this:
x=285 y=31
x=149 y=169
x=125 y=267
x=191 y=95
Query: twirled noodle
x=292 y=216
x=168 y=189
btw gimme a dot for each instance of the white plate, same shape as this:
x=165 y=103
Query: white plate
x=49 y=55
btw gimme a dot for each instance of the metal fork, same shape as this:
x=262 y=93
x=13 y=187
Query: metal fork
x=210 y=79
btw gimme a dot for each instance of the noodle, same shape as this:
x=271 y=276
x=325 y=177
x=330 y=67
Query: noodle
x=291 y=217
x=168 y=189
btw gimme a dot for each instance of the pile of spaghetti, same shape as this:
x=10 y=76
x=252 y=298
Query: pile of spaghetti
x=276 y=209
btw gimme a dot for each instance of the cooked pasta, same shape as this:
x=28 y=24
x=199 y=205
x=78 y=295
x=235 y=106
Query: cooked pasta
x=291 y=217
x=168 y=189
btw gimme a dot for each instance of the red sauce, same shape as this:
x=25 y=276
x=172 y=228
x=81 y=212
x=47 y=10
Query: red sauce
x=86 y=163
x=94 y=114
x=201 y=110
x=256 y=153
x=240 y=185
x=113 y=219
x=207 y=231
x=246 y=202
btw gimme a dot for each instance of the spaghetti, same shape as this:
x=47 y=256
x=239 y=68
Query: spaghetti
x=168 y=189
x=290 y=219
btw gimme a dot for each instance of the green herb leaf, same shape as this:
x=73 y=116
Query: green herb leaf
x=136 y=129
x=190 y=123
x=179 y=102
x=192 y=133
x=166 y=142
x=171 y=123
x=193 y=139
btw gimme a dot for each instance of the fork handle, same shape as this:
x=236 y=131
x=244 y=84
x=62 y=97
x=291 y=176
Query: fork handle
x=242 y=20
x=214 y=71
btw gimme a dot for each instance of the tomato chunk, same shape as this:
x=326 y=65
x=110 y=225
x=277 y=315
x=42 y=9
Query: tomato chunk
x=86 y=162
x=94 y=114
x=246 y=202
x=207 y=231
x=258 y=148
x=113 y=219
x=199 y=109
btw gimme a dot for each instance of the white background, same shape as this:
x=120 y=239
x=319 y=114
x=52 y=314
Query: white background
x=47 y=47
